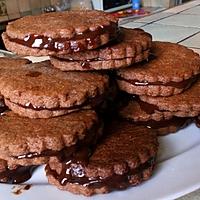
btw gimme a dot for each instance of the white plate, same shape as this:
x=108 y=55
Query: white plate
x=177 y=174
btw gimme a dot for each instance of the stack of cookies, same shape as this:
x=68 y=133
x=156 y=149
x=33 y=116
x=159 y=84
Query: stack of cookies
x=164 y=92
x=53 y=111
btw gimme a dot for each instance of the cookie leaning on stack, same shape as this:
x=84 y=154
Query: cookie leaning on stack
x=167 y=86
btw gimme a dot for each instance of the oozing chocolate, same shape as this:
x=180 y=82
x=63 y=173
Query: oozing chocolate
x=175 y=121
x=146 y=107
x=47 y=153
x=90 y=139
x=18 y=175
x=180 y=85
x=74 y=44
x=73 y=172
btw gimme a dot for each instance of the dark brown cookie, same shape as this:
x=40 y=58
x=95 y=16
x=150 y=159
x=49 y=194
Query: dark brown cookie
x=172 y=69
x=39 y=91
x=25 y=141
x=125 y=157
x=60 y=32
x=14 y=174
x=140 y=113
x=185 y=104
x=132 y=46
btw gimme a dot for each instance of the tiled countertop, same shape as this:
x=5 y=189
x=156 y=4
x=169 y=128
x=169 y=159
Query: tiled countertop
x=180 y=24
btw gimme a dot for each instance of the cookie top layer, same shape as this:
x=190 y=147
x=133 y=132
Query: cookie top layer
x=185 y=104
x=43 y=87
x=66 y=24
x=62 y=31
x=173 y=69
x=171 y=63
x=22 y=136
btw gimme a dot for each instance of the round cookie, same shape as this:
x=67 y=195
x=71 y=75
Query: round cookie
x=125 y=157
x=60 y=32
x=14 y=174
x=185 y=104
x=140 y=113
x=28 y=142
x=39 y=91
x=171 y=69
x=132 y=46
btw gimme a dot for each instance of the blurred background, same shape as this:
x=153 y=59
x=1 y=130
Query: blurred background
x=14 y=9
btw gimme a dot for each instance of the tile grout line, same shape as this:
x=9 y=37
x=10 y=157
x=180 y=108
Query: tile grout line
x=188 y=37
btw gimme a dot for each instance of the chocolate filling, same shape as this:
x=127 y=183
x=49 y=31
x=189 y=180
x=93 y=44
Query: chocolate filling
x=146 y=107
x=175 y=121
x=92 y=102
x=18 y=175
x=180 y=85
x=74 y=44
x=90 y=140
x=73 y=172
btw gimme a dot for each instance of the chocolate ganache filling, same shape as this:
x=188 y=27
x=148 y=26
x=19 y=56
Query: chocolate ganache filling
x=92 y=102
x=18 y=175
x=180 y=85
x=175 y=121
x=91 y=138
x=73 y=172
x=92 y=39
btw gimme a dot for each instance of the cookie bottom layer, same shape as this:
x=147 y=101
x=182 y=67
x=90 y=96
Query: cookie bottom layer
x=89 y=186
x=66 y=65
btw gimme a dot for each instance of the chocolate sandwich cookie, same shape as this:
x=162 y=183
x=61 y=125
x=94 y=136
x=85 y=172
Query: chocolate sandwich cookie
x=185 y=104
x=171 y=69
x=130 y=47
x=14 y=174
x=28 y=142
x=39 y=91
x=141 y=113
x=125 y=157
x=60 y=32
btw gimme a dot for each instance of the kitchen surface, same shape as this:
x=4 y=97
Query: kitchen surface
x=179 y=24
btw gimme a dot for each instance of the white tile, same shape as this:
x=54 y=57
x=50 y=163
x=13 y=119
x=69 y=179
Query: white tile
x=169 y=33
x=194 y=11
x=183 y=7
x=193 y=41
x=132 y=25
x=182 y=20
x=154 y=17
